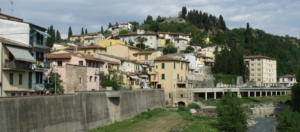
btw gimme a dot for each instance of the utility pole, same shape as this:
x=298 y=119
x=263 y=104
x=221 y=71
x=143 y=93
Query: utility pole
x=55 y=83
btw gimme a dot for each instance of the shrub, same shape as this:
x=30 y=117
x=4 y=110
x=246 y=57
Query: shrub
x=193 y=106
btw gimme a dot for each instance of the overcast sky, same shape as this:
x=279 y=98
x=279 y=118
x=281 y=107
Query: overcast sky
x=274 y=16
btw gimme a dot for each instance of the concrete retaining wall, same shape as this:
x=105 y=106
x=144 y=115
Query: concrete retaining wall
x=74 y=113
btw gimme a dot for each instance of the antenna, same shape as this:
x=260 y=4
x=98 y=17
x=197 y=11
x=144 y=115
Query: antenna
x=12 y=6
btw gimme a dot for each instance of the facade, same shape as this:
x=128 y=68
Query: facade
x=87 y=39
x=110 y=42
x=77 y=72
x=262 y=70
x=171 y=75
x=115 y=29
x=35 y=36
x=91 y=49
x=122 y=51
x=147 y=57
x=151 y=38
x=156 y=40
x=16 y=68
x=287 y=80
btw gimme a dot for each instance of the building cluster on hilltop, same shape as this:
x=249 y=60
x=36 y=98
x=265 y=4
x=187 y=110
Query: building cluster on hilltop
x=27 y=62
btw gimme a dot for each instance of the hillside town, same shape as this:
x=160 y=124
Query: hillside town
x=129 y=61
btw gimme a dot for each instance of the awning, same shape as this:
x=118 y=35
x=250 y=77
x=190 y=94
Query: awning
x=21 y=54
x=45 y=34
x=134 y=77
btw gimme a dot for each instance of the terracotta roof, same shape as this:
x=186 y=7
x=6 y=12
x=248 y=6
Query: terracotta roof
x=170 y=58
x=258 y=57
x=288 y=76
x=91 y=47
x=14 y=43
x=172 y=33
x=60 y=55
x=135 y=33
x=143 y=53
x=133 y=47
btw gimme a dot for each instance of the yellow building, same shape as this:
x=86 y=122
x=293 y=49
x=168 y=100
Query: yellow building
x=110 y=42
x=170 y=74
x=91 y=50
x=122 y=51
x=147 y=56
x=16 y=72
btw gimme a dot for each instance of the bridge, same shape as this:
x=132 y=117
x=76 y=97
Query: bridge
x=216 y=93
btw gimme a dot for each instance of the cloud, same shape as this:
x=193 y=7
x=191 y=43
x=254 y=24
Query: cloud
x=274 y=16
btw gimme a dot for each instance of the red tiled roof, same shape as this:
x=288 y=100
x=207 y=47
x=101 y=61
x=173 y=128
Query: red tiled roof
x=169 y=58
x=143 y=53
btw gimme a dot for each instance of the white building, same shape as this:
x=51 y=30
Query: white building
x=180 y=40
x=195 y=61
x=115 y=29
x=16 y=29
x=262 y=70
x=287 y=80
x=152 y=40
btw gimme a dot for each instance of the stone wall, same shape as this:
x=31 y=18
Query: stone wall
x=75 y=113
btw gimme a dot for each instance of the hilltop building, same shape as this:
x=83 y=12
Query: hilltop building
x=262 y=70
x=287 y=80
x=115 y=29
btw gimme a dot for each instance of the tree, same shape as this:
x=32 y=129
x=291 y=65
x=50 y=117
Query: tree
x=109 y=25
x=189 y=49
x=58 y=38
x=130 y=42
x=135 y=25
x=231 y=114
x=70 y=33
x=141 y=41
x=123 y=32
x=183 y=12
x=54 y=78
x=86 y=31
x=148 y=20
x=288 y=121
x=221 y=23
x=102 y=30
x=169 y=49
x=296 y=93
x=248 y=35
x=82 y=31
x=107 y=81
x=51 y=39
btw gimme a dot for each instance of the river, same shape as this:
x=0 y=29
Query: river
x=264 y=124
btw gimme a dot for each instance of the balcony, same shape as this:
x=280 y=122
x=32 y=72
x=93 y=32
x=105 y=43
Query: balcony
x=181 y=83
x=16 y=65
x=40 y=66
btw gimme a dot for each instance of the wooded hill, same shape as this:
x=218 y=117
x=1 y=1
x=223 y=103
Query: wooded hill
x=246 y=41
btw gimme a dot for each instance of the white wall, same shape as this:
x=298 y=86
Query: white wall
x=16 y=31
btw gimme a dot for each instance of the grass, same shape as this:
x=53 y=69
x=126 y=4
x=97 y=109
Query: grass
x=160 y=120
x=225 y=78
x=265 y=99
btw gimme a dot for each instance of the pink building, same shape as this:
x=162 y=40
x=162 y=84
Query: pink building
x=78 y=72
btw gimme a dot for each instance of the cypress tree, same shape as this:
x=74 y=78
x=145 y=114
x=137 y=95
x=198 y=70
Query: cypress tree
x=183 y=12
x=101 y=29
x=82 y=32
x=57 y=38
x=70 y=33
x=86 y=31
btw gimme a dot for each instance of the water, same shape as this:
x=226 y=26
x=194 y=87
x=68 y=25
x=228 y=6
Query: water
x=264 y=124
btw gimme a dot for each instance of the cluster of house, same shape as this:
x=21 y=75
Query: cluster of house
x=26 y=61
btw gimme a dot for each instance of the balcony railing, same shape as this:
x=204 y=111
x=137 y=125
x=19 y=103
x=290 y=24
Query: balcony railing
x=16 y=65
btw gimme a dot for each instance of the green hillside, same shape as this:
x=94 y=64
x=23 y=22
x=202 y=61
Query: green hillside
x=246 y=41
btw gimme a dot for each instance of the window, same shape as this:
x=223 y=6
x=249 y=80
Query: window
x=40 y=39
x=162 y=65
x=181 y=66
x=156 y=67
x=154 y=77
x=91 y=77
x=11 y=78
x=81 y=63
x=174 y=65
x=20 y=79
x=150 y=69
x=146 y=57
x=80 y=80
x=95 y=79
x=162 y=76
x=59 y=63
x=38 y=77
x=177 y=76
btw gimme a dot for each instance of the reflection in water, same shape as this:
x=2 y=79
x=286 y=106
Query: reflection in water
x=264 y=124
